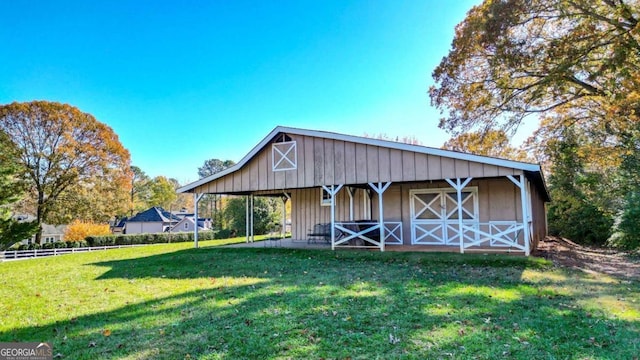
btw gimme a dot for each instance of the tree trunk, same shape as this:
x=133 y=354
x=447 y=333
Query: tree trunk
x=39 y=216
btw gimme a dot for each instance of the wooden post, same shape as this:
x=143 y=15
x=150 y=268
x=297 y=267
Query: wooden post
x=333 y=191
x=522 y=185
x=196 y=200
x=246 y=218
x=380 y=189
x=285 y=198
x=350 y=191
x=252 y=237
x=525 y=213
x=459 y=186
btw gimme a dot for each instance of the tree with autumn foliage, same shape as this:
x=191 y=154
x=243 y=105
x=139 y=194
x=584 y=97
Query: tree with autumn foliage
x=563 y=64
x=493 y=143
x=517 y=58
x=69 y=159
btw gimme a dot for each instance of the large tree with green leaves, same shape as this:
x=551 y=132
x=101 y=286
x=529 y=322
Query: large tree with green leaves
x=163 y=192
x=574 y=213
x=210 y=203
x=12 y=187
x=63 y=150
x=140 y=190
x=266 y=213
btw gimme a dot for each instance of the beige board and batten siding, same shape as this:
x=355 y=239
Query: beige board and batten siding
x=322 y=161
x=498 y=200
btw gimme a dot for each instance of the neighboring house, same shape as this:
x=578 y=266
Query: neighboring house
x=50 y=233
x=413 y=197
x=118 y=226
x=188 y=224
x=153 y=220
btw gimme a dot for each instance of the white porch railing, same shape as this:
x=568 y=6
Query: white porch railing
x=496 y=235
x=503 y=235
x=367 y=233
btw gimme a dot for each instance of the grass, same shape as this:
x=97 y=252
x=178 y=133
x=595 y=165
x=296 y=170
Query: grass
x=173 y=302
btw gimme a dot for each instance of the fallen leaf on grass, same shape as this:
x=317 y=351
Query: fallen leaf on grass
x=106 y=332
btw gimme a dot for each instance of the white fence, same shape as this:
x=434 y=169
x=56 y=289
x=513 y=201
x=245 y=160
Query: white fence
x=27 y=254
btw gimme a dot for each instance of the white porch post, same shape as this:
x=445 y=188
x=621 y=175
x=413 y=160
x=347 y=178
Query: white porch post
x=251 y=216
x=246 y=217
x=459 y=186
x=350 y=191
x=522 y=184
x=333 y=191
x=380 y=189
x=196 y=200
x=285 y=198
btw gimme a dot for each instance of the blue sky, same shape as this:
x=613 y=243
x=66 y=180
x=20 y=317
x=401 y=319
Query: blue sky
x=185 y=81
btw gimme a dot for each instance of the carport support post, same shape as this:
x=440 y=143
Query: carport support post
x=458 y=186
x=522 y=184
x=246 y=218
x=252 y=237
x=380 y=189
x=333 y=191
x=196 y=200
x=285 y=198
x=350 y=191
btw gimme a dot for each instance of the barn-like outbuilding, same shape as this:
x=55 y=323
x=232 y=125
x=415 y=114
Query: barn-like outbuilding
x=364 y=192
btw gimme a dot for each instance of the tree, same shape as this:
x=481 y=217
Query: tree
x=61 y=147
x=211 y=202
x=163 y=192
x=140 y=192
x=214 y=166
x=573 y=213
x=183 y=201
x=577 y=60
x=571 y=65
x=491 y=143
x=266 y=212
x=11 y=188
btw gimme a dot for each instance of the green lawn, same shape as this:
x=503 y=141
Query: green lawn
x=171 y=301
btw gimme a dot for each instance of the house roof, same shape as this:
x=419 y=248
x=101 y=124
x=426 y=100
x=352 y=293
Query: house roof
x=154 y=214
x=189 y=220
x=532 y=170
x=47 y=229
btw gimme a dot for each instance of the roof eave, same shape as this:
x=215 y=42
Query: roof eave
x=362 y=140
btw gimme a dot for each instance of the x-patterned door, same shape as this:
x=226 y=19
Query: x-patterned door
x=434 y=215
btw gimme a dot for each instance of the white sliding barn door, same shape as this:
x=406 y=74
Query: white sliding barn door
x=434 y=215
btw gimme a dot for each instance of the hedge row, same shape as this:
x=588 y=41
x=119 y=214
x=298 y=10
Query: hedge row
x=159 y=238
x=131 y=239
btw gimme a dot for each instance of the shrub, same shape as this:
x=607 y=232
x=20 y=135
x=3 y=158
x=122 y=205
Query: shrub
x=76 y=244
x=579 y=220
x=223 y=234
x=80 y=230
x=106 y=240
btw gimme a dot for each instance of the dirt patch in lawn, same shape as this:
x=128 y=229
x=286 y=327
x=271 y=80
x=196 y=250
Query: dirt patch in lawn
x=566 y=253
